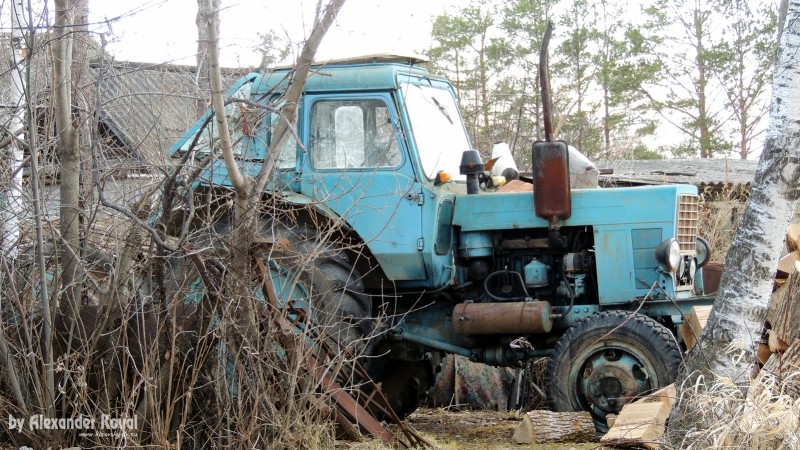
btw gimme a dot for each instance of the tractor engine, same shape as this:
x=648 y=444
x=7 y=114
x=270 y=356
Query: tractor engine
x=524 y=266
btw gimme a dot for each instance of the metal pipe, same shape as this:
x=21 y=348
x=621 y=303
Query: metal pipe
x=518 y=318
x=433 y=343
x=544 y=81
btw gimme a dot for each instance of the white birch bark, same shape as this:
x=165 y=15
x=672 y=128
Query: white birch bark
x=10 y=201
x=729 y=341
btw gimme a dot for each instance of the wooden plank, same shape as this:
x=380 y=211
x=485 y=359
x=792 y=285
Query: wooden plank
x=639 y=424
x=664 y=395
x=541 y=426
x=691 y=328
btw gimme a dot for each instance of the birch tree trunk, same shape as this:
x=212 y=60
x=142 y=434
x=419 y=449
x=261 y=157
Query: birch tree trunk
x=741 y=303
x=10 y=200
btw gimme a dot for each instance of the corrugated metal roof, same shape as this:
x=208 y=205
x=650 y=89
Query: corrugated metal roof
x=149 y=106
x=146 y=106
x=698 y=172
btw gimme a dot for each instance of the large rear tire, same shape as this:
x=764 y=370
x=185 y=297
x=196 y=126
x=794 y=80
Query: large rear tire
x=319 y=271
x=607 y=360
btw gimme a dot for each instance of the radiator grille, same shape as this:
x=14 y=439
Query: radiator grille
x=688 y=218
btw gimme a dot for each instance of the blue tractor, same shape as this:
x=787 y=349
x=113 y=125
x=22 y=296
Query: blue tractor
x=408 y=240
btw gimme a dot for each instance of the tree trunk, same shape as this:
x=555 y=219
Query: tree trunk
x=741 y=303
x=68 y=152
x=702 y=108
x=202 y=73
x=10 y=200
x=247 y=190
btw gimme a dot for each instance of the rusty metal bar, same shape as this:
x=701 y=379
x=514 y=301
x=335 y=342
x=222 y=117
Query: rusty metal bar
x=351 y=411
x=544 y=82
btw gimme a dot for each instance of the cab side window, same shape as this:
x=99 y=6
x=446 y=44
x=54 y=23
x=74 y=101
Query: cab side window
x=347 y=134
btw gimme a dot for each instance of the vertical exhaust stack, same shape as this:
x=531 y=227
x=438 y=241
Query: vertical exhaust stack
x=552 y=196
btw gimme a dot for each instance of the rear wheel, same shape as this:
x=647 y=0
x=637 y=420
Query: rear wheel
x=318 y=274
x=340 y=305
x=607 y=360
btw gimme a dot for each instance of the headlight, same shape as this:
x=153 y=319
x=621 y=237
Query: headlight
x=668 y=255
x=703 y=251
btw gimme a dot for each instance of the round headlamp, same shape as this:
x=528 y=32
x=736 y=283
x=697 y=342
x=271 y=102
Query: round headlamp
x=668 y=255
x=703 y=251
x=692 y=270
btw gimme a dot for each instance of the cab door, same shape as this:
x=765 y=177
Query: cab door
x=357 y=164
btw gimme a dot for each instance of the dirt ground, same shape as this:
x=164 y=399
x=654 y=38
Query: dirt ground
x=471 y=430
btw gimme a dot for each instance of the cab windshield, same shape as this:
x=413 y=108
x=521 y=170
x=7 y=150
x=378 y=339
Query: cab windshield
x=437 y=127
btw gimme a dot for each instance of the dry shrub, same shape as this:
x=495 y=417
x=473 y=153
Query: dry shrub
x=720 y=212
x=172 y=353
x=762 y=417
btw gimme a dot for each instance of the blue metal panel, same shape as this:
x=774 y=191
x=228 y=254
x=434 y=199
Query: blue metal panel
x=475 y=244
x=614 y=265
x=644 y=243
x=590 y=207
x=441 y=267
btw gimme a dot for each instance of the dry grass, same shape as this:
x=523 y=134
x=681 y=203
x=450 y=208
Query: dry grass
x=762 y=417
x=721 y=212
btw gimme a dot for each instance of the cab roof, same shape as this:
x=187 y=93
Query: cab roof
x=362 y=73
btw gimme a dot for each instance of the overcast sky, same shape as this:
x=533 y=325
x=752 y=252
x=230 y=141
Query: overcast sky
x=164 y=30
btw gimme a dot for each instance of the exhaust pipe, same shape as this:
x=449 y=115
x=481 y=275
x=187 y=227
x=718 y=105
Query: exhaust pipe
x=552 y=196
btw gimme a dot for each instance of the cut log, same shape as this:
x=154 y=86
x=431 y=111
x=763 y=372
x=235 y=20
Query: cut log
x=639 y=424
x=788 y=264
x=543 y=426
x=776 y=344
x=691 y=328
x=793 y=237
x=785 y=366
x=783 y=315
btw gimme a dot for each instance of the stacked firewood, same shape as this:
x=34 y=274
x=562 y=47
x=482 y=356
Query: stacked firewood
x=783 y=319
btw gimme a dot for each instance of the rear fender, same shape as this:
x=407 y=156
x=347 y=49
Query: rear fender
x=314 y=210
x=321 y=217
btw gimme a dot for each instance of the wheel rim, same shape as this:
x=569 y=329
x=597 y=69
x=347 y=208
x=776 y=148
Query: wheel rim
x=287 y=287
x=611 y=375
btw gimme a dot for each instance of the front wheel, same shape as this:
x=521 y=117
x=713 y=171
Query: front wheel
x=607 y=360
